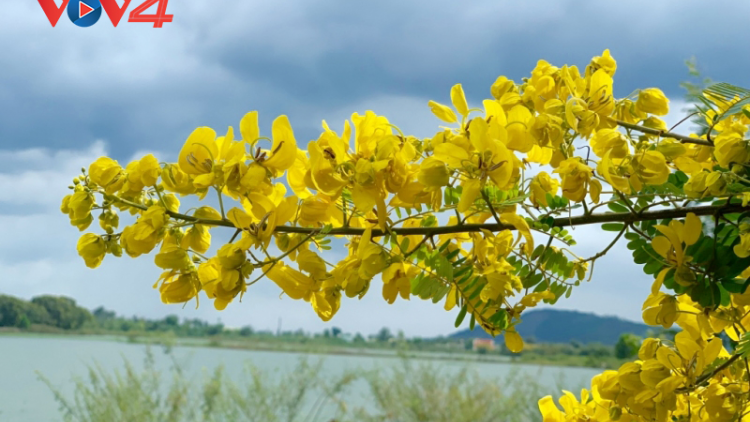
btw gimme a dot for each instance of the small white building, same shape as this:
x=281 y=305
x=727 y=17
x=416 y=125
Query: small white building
x=487 y=344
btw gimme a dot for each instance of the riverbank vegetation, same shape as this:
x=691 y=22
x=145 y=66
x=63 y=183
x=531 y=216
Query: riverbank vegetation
x=51 y=315
x=403 y=392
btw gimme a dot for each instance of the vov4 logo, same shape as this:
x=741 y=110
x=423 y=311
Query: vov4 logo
x=85 y=13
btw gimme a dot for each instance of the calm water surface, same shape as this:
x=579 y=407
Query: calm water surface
x=24 y=398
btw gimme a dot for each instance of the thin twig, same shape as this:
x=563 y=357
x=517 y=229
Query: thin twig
x=665 y=134
x=604 y=252
x=489 y=204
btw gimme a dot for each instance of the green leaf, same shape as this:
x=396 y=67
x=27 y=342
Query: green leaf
x=460 y=273
x=453 y=254
x=472 y=322
x=532 y=280
x=653 y=267
x=743 y=347
x=728 y=92
x=706 y=294
x=734 y=285
x=440 y=293
x=537 y=251
x=460 y=317
x=614 y=206
x=549 y=221
x=613 y=227
x=500 y=319
x=444 y=268
x=405 y=244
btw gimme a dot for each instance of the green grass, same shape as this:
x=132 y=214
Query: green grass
x=404 y=392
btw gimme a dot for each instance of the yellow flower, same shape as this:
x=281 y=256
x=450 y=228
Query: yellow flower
x=513 y=340
x=178 y=287
x=653 y=101
x=520 y=122
x=284 y=149
x=540 y=186
x=317 y=211
x=653 y=372
x=369 y=129
x=704 y=183
x=433 y=173
x=199 y=152
x=670 y=245
x=651 y=167
x=605 y=62
x=294 y=283
x=451 y=154
x=459 y=100
x=173 y=257
x=690 y=357
x=660 y=309
x=648 y=348
x=501 y=282
x=742 y=249
x=579 y=117
x=108 y=174
x=626 y=111
x=532 y=299
x=312 y=264
x=326 y=303
x=575 y=178
x=197 y=238
x=731 y=148
x=92 y=249
x=397 y=281
x=177 y=181
x=550 y=412
x=613 y=174
x=322 y=171
x=470 y=192
x=609 y=141
x=78 y=207
x=143 y=236
x=501 y=86
x=442 y=112
x=148 y=170
x=298 y=176
x=220 y=284
x=600 y=99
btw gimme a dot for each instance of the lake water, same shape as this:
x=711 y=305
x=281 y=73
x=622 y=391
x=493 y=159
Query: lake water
x=24 y=398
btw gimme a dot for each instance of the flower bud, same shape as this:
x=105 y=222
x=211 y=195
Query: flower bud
x=615 y=412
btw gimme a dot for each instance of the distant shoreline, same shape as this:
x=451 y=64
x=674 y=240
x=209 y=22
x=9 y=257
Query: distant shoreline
x=315 y=349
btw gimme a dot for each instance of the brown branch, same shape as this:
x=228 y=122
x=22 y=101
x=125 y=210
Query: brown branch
x=582 y=220
x=665 y=134
x=707 y=376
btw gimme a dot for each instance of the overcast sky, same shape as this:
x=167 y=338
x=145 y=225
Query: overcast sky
x=70 y=94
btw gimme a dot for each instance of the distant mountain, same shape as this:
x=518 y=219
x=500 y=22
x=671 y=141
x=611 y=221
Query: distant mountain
x=560 y=326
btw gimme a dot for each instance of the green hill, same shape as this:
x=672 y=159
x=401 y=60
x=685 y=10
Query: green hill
x=560 y=326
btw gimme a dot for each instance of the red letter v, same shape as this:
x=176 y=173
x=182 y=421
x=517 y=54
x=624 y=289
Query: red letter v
x=114 y=11
x=52 y=11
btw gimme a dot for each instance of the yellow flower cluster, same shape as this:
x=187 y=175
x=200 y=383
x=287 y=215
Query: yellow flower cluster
x=685 y=379
x=486 y=200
